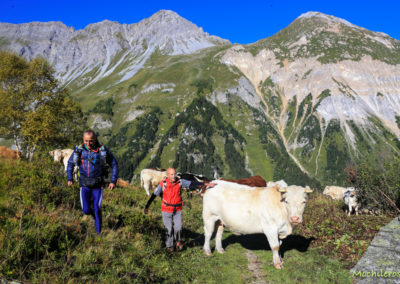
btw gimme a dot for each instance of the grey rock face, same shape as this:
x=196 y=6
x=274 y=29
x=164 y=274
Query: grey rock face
x=358 y=89
x=382 y=256
x=244 y=89
x=100 y=123
x=106 y=45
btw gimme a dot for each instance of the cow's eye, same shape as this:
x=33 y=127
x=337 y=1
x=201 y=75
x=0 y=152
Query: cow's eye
x=283 y=200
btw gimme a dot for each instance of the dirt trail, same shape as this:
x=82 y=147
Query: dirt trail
x=255 y=268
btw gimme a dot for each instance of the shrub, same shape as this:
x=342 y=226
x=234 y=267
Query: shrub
x=104 y=106
x=377 y=187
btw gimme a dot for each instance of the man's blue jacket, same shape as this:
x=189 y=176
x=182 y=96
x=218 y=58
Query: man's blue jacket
x=90 y=164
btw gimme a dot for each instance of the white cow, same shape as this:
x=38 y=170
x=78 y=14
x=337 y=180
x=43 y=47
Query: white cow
x=63 y=156
x=250 y=210
x=336 y=192
x=150 y=178
x=350 y=199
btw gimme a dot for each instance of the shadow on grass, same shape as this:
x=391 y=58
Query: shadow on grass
x=260 y=242
x=192 y=239
x=251 y=241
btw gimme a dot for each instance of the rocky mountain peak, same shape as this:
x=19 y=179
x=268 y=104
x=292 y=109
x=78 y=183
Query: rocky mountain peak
x=332 y=20
x=329 y=39
x=166 y=15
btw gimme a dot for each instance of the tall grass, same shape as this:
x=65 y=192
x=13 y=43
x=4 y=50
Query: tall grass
x=44 y=237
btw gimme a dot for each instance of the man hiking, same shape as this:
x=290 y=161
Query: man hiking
x=92 y=159
x=171 y=206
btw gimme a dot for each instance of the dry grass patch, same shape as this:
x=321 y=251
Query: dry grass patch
x=336 y=234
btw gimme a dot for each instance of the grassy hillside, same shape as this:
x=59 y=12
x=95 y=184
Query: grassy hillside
x=44 y=238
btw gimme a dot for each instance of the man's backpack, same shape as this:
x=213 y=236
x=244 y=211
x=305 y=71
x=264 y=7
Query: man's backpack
x=103 y=157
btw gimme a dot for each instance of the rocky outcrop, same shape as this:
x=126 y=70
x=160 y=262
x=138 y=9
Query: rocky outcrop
x=382 y=259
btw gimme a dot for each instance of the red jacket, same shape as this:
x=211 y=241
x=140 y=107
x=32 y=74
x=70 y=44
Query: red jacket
x=171 y=196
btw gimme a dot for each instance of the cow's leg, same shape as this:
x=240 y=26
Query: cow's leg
x=356 y=209
x=272 y=236
x=218 y=237
x=146 y=186
x=350 y=209
x=209 y=223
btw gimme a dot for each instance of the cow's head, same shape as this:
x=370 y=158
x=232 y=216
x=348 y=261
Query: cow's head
x=294 y=199
x=57 y=154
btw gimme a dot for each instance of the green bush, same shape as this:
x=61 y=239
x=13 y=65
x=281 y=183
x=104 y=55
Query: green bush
x=104 y=106
x=377 y=187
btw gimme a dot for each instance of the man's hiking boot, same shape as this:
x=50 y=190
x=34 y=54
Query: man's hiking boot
x=179 y=246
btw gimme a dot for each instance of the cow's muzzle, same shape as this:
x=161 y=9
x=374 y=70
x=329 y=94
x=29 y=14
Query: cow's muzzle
x=295 y=220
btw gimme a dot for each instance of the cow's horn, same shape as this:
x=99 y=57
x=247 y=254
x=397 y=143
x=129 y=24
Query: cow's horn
x=308 y=189
x=282 y=189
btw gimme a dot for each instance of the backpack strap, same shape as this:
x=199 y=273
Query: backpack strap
x=103 y=155
x=164 y=185
x=77 y=154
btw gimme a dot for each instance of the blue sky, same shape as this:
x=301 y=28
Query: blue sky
x=238 y=21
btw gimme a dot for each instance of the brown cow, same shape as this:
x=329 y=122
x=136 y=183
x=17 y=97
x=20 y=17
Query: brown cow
x=254 y=181
x=8 y=153
x=122 y=183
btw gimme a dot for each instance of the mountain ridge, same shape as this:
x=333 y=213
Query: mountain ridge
x=72 y=51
